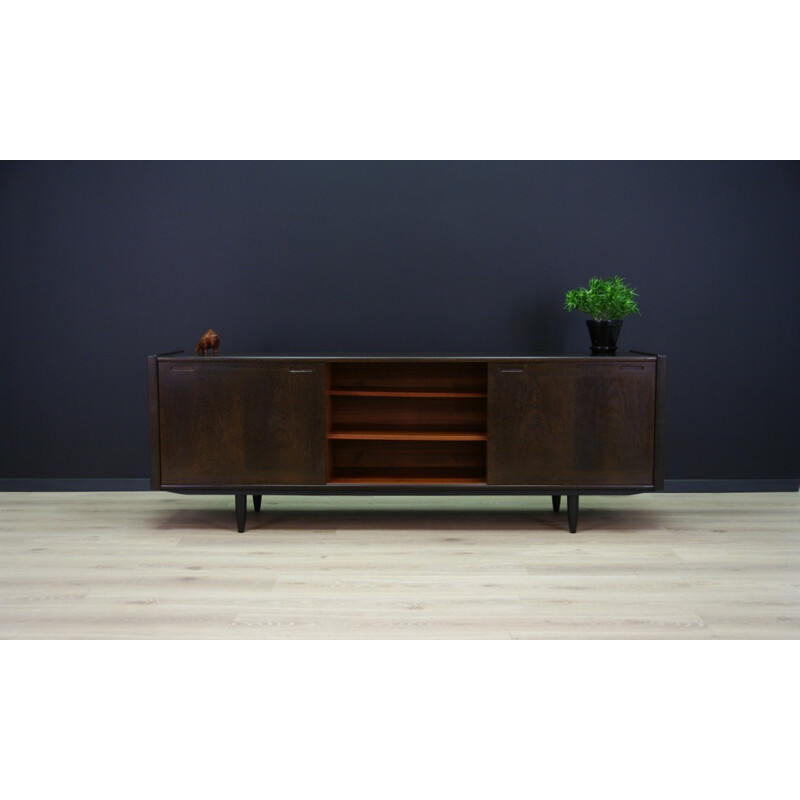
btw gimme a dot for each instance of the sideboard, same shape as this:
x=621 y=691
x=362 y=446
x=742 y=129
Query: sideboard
x=558 y=425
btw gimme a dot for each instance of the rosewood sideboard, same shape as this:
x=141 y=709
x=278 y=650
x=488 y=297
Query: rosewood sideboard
x=560 y=425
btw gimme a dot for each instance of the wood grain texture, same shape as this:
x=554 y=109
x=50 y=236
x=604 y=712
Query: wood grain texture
x=147 y=565
x=581 y=423
x=411 y=435
x=234 y=423
x=420 y=376
x=396 y=460
x=416 y=413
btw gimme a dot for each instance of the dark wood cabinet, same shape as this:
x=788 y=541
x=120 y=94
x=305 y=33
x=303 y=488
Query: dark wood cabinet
x=558 y=425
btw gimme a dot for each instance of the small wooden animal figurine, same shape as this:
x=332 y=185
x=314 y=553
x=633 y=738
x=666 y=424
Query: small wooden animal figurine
x=208 y=341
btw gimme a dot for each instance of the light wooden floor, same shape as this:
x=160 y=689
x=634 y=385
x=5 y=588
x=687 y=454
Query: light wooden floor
x=148 y=565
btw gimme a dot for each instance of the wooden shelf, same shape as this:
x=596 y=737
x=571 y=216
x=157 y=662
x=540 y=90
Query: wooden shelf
x=395 y=479
x=418 y=436
x=393 y=393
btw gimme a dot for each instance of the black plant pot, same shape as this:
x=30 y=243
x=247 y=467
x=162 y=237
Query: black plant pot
x=604 y=334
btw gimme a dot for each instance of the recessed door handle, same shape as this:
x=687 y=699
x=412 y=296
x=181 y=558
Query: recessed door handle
x=292 y=369
x=512 y=370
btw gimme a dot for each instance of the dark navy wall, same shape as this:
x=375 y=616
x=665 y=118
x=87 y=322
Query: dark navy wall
x=104 y=263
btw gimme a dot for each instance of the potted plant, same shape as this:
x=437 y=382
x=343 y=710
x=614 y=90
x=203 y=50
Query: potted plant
x=607 y=301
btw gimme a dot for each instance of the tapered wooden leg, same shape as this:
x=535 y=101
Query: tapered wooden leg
x=556 y=502
x=572 y=512
x=256 y=503
x=241 y=511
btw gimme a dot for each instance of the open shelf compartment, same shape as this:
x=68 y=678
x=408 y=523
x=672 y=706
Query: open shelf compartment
x=379 y=461
x=405 y=422
x=409 y=378
x=404 y=414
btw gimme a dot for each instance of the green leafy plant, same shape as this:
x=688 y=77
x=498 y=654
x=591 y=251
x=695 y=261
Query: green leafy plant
x=603 y=299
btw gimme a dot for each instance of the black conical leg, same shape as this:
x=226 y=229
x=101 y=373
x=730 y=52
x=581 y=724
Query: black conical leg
x=256 y=503
x=241 y=511
x=556 y=502
x=572 y=512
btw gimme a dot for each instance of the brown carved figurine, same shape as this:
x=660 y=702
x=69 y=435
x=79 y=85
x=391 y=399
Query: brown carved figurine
x=208 y=341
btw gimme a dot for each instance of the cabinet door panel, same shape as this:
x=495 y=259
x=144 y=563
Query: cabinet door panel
x=571 y=424
x=230 y=424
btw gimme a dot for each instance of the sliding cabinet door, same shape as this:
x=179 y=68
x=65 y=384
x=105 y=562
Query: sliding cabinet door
x=234 y=423
x=579 y=423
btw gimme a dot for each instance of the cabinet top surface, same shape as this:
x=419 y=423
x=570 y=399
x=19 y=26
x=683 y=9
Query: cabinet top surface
x=621 y=355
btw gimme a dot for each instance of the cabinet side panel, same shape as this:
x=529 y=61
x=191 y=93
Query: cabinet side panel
x=152 y=401
x=660 y=421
